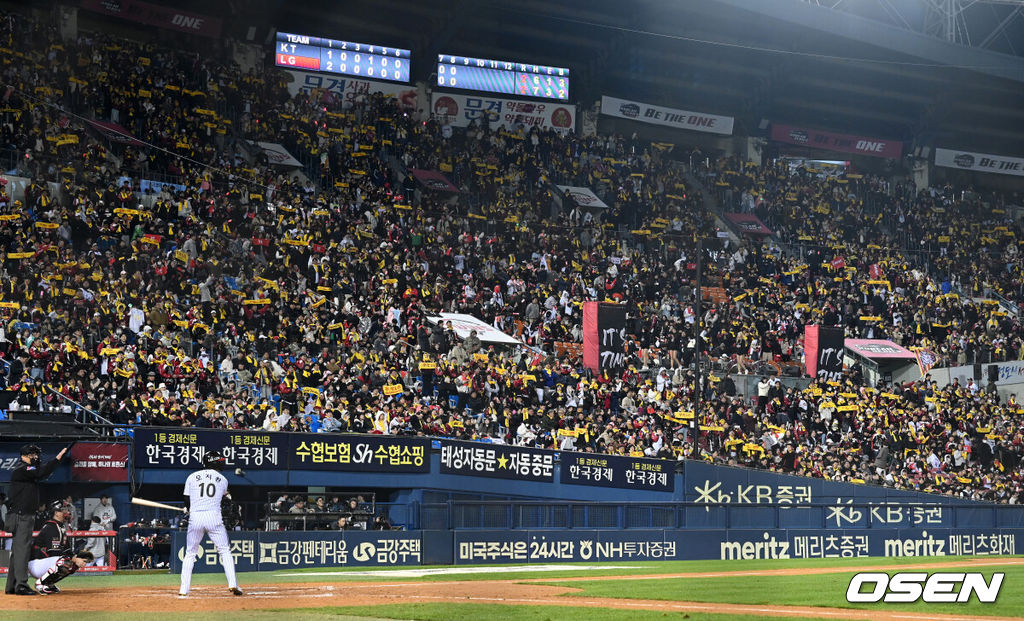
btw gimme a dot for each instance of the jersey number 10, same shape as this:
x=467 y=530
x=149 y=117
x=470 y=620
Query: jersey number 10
x=207 y=490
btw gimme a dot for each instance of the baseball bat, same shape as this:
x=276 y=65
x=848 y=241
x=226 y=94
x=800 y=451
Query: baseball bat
x=158 y=505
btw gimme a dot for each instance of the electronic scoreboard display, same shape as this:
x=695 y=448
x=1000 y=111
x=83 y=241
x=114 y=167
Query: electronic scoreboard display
x=333 y=56
x=498 y=76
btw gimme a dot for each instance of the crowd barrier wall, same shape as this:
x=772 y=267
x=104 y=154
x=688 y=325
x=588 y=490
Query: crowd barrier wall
x=372 y=461
x=710 y=483
x=17 y=185
x=515 y=515
x=746 y=385
x=450 y=485
x=365 y=461
x=1009 y=376
x=283 y=551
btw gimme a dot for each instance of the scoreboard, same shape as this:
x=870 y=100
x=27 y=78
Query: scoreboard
x=343 y=57
x=497 y=76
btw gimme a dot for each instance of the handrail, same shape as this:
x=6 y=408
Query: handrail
x=57 y=424
x=50 y=390
x=1011 y=306
x=969 y=504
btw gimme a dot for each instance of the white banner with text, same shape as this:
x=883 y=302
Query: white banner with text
x=669 y=117
x=461 y=110
x=980 y=162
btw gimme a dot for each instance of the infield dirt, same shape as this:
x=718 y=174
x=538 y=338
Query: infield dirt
x=527 y=592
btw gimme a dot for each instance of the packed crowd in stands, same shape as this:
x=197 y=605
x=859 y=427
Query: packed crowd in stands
x=257 y=297
x=968 y=248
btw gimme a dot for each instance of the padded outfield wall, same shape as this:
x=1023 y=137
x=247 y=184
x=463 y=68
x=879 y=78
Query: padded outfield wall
x=282 y=551
x=646 y=509
x=559 y=506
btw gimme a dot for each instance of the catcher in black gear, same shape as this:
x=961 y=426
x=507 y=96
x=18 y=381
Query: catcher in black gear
x=51 y=540
x=51 y=570
x=52 y=559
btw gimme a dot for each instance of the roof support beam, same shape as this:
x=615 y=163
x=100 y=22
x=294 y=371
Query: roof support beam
x=892 y=38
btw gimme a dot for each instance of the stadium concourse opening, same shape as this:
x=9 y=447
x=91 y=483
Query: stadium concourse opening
x=518 y=285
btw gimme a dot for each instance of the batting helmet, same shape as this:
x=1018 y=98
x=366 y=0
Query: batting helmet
x=214 y=460
x=54 y=506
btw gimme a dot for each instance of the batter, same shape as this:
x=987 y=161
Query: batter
x=204 y=491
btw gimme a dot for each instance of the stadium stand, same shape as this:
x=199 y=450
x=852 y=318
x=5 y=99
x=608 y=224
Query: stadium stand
x=241 y=296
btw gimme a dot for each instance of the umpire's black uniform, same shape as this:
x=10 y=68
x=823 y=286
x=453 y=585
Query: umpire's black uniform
x=21 y=516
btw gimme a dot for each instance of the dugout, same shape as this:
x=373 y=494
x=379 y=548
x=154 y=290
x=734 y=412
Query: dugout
x=883 y=361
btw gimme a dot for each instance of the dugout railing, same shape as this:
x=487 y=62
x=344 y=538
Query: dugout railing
x=520 y=515
x=278 y=513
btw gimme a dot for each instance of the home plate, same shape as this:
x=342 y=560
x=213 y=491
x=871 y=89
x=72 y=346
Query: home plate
x=447 y=571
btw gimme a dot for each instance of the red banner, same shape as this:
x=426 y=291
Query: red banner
x=844 y=143
x=604 y=336
x=811 y=350
x=748 y=224
x=115 y=132
x=823 y=352
x=155 y=15
x=876 y=349
x=99 y=461
x=591 y=344
x=433 y=180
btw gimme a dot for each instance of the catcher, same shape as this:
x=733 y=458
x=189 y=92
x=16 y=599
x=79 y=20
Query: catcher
x=52 y=569
x=52 y=559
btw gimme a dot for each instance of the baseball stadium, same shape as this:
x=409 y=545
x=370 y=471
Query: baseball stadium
x=549 y=309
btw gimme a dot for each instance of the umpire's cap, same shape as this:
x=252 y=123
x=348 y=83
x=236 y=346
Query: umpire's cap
x=214 y=460
x=31 y=449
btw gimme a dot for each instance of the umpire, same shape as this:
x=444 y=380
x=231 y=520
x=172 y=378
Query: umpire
x=21 y=517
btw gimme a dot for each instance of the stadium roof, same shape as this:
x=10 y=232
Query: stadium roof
x=787 y=61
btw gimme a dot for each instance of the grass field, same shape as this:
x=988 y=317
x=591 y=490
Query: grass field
x=642 y=591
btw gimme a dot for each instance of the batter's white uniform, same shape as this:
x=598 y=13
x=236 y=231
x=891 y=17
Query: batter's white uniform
x=205 y=489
